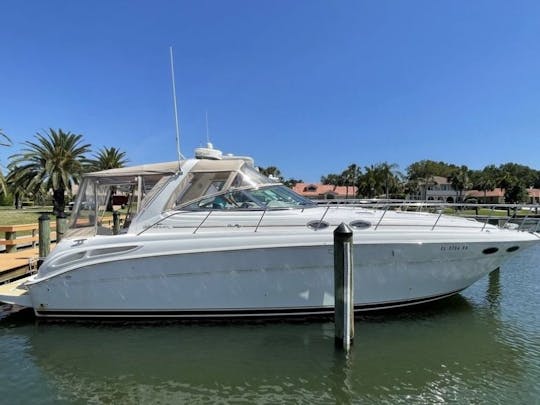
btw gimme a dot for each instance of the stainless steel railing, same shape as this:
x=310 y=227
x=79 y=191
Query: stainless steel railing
x=493 y=213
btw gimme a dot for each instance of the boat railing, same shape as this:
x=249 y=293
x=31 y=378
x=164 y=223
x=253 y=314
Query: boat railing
x=525 y=217
x=518 y=217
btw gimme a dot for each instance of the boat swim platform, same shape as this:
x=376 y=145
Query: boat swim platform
x=14 y=293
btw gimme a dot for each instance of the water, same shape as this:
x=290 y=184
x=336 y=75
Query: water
x=482 y=346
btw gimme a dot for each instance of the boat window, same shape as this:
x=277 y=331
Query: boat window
x=277 y=196
x=201 y=184
x=99 y=197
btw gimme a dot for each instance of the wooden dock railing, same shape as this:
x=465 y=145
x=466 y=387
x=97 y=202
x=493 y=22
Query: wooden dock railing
x=11 y=240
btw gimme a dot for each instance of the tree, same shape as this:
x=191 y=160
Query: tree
x=272 y=172
x=105 y=159
x=4 y=141
x=332 y=179
x=17 y=185
x=368 y=184
x=390 y=176
x=426 y=169
x=516 y=193
x=56 y=160
x=292 y=182
x=108 y=158
x=423 y=172
x=485 y=180
x=460 y=181
x=349 y=177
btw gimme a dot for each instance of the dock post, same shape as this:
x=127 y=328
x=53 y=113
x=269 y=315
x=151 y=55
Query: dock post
x=343 y=287
x=11 y=236
x=61 y=226
x=116 y=223
x=44 y=235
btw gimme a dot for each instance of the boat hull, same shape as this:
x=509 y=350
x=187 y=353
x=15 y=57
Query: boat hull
x=265 y=281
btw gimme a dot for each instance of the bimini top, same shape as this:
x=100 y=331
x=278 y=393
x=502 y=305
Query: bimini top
x=163 y=168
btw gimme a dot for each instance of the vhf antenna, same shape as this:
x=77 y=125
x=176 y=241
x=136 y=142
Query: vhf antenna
x=180 y=156
x=207 y=132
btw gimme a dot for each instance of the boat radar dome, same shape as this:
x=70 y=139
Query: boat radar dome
x=208 y=153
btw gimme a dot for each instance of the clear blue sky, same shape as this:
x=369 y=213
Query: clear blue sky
x=307 y=86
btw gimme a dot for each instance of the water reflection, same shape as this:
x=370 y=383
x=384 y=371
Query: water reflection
x=493 y=295
x=448 y=350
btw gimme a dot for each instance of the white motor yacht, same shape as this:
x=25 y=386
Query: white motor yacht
x=212 y=237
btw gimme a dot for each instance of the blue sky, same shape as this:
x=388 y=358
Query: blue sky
x=307 y=86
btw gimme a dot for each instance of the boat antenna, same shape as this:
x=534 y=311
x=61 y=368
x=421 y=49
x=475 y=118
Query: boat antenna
x=207 y=132
x=180 y=156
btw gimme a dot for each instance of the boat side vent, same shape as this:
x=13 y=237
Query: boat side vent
x=111 y=250
x=512 y=248
x=68 y=258
x=316 y=225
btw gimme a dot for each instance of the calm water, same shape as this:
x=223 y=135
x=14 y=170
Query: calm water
x=482 y=346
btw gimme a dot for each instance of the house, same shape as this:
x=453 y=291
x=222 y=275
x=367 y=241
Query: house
x=496 y=196
x=438 y=188
x=317 y=191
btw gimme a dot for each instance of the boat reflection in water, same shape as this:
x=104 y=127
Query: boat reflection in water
x=442 y=350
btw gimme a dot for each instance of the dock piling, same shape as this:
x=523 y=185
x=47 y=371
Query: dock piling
x=343 y=287
x=44 y=231
x=61 y=226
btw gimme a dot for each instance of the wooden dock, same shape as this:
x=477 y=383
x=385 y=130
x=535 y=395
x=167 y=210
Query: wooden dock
x=17 y=264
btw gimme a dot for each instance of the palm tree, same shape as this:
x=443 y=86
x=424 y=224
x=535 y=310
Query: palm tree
x=272 y=172
x=4 y=141
x=460 y=181
x=105 y=159
x=108 y=158
x=350 y=177
x=486 y=183
x=389 y=176
x=56 y=160
x=333 y=179
x=368 y=184
x=17 y=187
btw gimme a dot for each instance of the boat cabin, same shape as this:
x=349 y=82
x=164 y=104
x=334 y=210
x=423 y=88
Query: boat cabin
x=194 y=185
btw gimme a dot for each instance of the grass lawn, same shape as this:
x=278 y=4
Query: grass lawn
x=10 y=216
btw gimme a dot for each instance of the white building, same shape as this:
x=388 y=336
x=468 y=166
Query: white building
x=437 y=189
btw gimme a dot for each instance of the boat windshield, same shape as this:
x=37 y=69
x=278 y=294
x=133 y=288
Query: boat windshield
x=232 y=185
x=266 y=197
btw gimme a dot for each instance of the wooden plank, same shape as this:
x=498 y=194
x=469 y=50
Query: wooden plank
x=23 y=227
x=19 y=241
x=17 y=228
x=12 y=261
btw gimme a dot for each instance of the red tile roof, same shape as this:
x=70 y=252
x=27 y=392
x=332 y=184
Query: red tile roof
x=499 y=192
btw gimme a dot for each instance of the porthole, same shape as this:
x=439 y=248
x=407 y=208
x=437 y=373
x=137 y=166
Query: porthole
x=512 y=248
x=490 y=250
x=316 y=225
x=360 y=224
